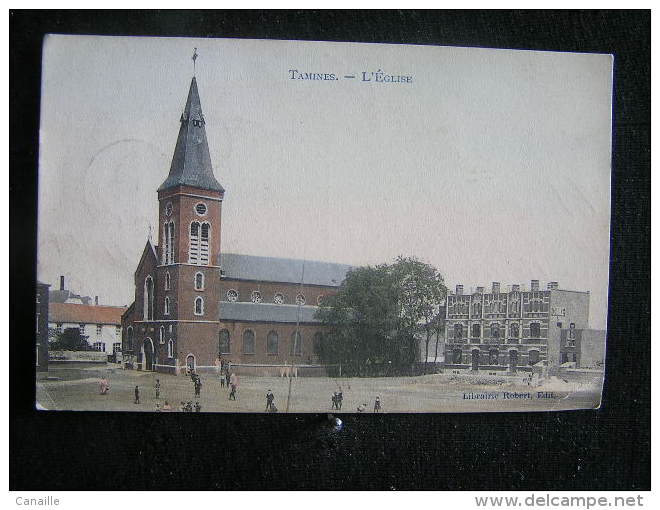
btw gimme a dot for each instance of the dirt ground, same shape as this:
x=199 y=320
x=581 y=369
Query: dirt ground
x=78 y=390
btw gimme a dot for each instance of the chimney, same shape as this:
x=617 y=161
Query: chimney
x=515 y=288
x=480 y=290
x=496 y=287
x=534 y=286
x=96 y=301
x=459 y=290
x=61 y=282
x=553 y=285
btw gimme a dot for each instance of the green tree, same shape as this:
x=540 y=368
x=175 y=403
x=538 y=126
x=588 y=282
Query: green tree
x=421 y=290
x=374 y=320
x=71 y=340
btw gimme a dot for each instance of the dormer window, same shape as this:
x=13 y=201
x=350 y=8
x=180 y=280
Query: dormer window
x=256 y=296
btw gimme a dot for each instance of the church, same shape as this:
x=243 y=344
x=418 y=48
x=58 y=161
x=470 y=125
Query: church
x=195 y=305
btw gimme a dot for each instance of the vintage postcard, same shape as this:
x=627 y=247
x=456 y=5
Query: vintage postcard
x=282 y=226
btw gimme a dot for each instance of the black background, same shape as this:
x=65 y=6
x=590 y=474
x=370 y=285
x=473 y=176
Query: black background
x=604 y=449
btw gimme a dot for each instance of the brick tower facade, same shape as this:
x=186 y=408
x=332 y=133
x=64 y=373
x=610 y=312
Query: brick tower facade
x=176 y=284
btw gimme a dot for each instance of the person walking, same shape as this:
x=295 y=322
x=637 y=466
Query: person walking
x=340 y=399
x=198 y=407
x=137 y=395
x=377 y=405
x=334 y=401
x=198 y=387
x=269 y=400
x=232 y=393
x=157 y=388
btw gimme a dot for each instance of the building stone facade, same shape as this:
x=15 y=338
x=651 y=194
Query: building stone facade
x=41 y=327
x=511 y=330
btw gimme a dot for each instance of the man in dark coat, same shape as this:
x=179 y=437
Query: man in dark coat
x=137 y=395
x=269 y=400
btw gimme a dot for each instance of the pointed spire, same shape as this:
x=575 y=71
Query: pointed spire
x=191 y=163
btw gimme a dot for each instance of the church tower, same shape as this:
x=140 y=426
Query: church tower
x=189 y=231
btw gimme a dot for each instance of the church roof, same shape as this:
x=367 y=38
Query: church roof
x=266 y=312
x=271 y=269
x=191 y=163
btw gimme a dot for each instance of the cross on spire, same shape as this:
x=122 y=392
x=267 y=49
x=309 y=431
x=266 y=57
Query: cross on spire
x=194 y=58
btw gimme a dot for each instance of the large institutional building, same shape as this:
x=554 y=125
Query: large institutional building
x=194 y=303
x=516 y=329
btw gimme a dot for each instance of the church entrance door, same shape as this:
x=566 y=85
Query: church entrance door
x=147 y=355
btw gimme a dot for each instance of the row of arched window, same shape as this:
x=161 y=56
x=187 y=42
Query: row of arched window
x=249 y=341
x=497 y=330
x=493 y=357
x=198 y=281
x=278 y=297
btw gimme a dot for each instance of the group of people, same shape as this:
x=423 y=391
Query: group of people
x=363 y=407
x=187 y=407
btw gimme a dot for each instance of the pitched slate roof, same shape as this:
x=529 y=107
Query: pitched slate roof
x=271 y=269
x=266 y=312
x=85 y=314
x=191 y=163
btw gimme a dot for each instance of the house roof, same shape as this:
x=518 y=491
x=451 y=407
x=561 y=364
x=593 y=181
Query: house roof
x=271 y=269
x=85 y=314
x=266 y=312
x=191 y=163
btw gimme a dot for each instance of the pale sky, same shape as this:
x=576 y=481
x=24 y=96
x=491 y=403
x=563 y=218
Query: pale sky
x=493 y=165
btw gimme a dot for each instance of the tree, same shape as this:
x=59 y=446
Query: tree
x=70 y=340
x=374 y=319
x=421 y=291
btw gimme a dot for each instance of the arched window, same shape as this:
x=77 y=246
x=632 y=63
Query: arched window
x=476 y=330
x=129 y=338
x=167 y=280
x=168 y=245
x=514 y=330
x=457 y=356
x=148 y=305
x=170 y=348
x=494 y=330
x=317 y=343
x=296 y=344
x=232 y=295
x=476 y=309
x=248 y=341
x=204 y=244
x=224 y=345
x=199 y=306
x=272 y=342
x=458 y=330
x=535 y=330
x=300 y=299
x=161 y=335
x=193 y=248
x=278 y=299
x=199 y=281
x=166 y=309
x=533 y=357
x=493 y=357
